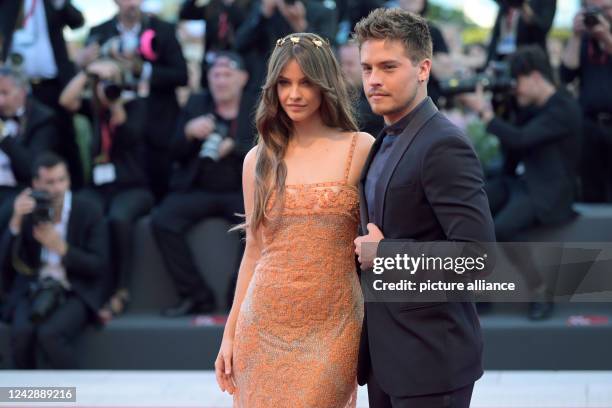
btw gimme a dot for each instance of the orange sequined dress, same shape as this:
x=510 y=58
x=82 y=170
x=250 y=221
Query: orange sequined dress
x=297 y=335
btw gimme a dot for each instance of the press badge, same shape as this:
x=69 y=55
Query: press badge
x=104 y=174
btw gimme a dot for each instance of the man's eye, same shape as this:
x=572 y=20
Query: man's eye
x=389 y=67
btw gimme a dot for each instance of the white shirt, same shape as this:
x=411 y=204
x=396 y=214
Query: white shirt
x=33 y=41
x=10 y=129
x=52 y=261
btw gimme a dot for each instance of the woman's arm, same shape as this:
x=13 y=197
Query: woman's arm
x=252 y=253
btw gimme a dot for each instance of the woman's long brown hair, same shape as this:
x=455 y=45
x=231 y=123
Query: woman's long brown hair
x=275 y=128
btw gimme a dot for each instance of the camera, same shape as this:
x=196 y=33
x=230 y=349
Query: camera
x=591 y=16
x=112 y=90
x=498 y=80
x=43 y=210
x=210 y=147
x=46 y=295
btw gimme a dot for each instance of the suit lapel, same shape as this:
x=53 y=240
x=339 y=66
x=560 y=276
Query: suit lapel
x=426 y=112
x=11 y=11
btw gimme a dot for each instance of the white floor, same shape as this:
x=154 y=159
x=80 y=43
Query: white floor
x=179 y=389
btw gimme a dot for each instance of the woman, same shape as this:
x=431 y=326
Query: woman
x=298 y=308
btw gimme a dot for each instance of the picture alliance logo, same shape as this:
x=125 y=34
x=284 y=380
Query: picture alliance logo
x=411 y=264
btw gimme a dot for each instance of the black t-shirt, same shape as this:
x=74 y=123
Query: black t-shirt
x=224 y=174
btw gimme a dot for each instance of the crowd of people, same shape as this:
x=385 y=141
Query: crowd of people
x=92 y=142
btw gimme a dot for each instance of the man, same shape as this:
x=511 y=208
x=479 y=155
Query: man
x=351 y=66
x=34 y=44
x=270 y=20
x=215 y=131
x=151 y=54
x=422 y=182
x=588 y=58
x=27 y=128
x=519 y=23
x=119 y=180
x=542 y=158
x=55 y=241
x=222 y=17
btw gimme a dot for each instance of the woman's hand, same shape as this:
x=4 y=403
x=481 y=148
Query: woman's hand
x=223 y=366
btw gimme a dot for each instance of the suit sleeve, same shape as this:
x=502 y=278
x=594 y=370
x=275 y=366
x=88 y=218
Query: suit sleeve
x=181 y=148
x=43 y=139
x=171 y=70
x=454 y=185
x=190 y=11
x=91 y=258
x=253 y=31
x=544 y=128
x=71 y=16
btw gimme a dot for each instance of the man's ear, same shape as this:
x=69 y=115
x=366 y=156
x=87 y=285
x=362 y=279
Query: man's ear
x=424 y=70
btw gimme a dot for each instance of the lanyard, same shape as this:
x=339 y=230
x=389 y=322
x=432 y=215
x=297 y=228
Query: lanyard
x=30 y=13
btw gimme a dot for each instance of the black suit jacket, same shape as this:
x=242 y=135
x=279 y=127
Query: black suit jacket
x=39 y=134
x=185 y=153
x=549 y=146
x=86 y=262
x=533 y=33
x=57 y=19
x=430 y=190
x=169 y=72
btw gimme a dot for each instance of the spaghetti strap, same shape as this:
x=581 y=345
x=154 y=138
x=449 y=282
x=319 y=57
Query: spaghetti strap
x=349 y=159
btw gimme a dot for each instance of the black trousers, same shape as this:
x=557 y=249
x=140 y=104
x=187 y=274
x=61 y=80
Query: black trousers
x=513 y=211
x=595 y=170
x=172 y=220
x=53 y=338
x=123 y=207
x=459 y=398
x=512 y=208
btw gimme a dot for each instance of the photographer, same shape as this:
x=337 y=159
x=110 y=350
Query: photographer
x=214 y=133
x=27 y=128
x=149 y=53
x=34 y=45
x=541 y=155
x=53 y=259
x=588 y=57
x=119 y=182
x=520 y=23
x=270 y=20
x=222 y=17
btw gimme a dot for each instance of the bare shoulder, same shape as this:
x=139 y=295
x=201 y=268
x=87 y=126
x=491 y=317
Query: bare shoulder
x=363 y=145
x=248 y=166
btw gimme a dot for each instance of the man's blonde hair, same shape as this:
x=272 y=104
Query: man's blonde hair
x=397 y=24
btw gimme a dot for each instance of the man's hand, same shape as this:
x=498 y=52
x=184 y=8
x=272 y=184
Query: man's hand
x=49 y=238
x=601 y=31
x=87 y=55
x=199 y=128
x=295 y=14
x=24 y=204
x=268 y=7
x=578 y=26
x=479 y=104
x=367 y=253
x=226 y=146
